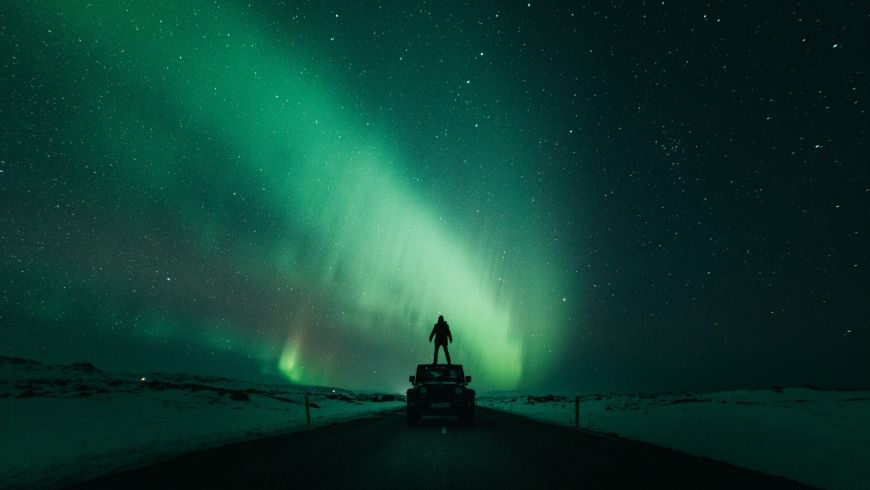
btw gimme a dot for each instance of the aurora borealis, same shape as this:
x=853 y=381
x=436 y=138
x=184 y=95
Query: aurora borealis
x=594 y=197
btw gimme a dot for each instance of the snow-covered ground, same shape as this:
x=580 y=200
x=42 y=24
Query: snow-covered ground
x=817 y=437
x=61 y=424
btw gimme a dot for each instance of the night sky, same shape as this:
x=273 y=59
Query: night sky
x=611 y=196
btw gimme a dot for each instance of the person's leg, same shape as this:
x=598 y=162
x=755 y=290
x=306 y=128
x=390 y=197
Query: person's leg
x=446 y=353
x=436 y=354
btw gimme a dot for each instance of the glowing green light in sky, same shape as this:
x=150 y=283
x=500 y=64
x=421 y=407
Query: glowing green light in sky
x=376 y=263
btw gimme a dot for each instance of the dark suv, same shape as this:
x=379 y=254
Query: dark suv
x=440 y=389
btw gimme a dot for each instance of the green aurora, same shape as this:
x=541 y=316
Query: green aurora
x=265 y=213
x=598 y=196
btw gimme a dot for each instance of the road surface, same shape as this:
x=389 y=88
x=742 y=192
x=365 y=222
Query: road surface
x=502 y=451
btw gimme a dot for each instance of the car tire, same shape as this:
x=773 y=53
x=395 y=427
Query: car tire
x=468 y=417
x=412 y=417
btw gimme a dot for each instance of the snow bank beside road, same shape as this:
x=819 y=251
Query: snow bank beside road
x=62 y=424
x=813 y=436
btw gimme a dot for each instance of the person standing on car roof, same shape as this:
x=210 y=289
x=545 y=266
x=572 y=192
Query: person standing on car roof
x=441 y=332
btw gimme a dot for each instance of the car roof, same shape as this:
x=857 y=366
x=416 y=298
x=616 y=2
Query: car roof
x=439 y=370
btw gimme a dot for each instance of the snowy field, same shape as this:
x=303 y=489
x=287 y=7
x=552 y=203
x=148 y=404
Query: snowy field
x=61 y=424
x=817 y=437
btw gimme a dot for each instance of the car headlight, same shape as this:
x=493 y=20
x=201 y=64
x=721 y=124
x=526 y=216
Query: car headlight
x=458 y=390
x=423 y=390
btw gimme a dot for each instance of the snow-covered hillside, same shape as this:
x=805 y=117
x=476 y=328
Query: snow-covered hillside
x=813 y=436
x=60 y=424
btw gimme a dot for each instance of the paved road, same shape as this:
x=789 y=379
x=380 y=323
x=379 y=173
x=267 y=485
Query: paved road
x=502 y=451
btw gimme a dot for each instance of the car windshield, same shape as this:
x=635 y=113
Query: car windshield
x=440 y=373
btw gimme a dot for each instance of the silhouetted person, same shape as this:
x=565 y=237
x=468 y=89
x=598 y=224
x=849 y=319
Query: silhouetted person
x=441 y=332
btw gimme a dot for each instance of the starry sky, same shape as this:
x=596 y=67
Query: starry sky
x=612 y=196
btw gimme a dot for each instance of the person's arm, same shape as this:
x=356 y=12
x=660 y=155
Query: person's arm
x=447 y=327
x=432 y=334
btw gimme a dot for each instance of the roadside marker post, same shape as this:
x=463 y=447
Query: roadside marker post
x=307 y=411
x=577 y=412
